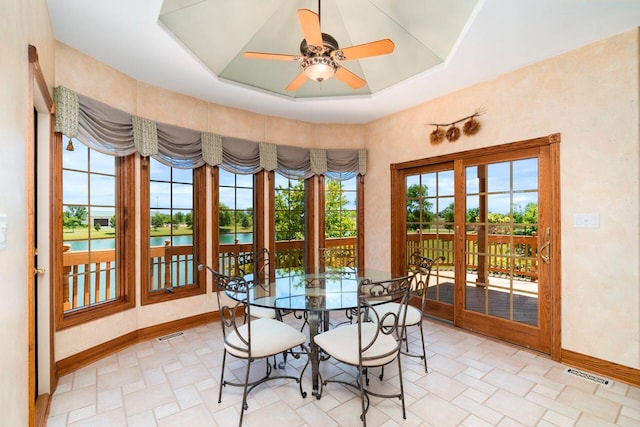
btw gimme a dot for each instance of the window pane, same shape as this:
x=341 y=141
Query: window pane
x=289 y=225
x=103 y=190
x=171 y=261
x=74 y=187
x=182 y=196
x=101 y=163
x=235 y=216
x=89 y=240
x=341 y=215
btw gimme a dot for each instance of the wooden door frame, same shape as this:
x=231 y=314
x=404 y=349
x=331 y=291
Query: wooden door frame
x=39 y=99
x=398 y=216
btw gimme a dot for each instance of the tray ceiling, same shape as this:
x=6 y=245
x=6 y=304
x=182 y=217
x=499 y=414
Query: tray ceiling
x=217 y=32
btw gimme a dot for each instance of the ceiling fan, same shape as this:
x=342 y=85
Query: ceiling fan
x=320 y=56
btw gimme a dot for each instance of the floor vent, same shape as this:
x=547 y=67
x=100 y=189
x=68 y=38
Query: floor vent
x=589 y=377
x=170 y=336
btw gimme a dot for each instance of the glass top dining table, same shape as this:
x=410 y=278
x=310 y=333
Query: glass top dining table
x=316 y=295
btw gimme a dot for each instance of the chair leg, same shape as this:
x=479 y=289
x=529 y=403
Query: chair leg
x=224 y=358
x=363 y=416
x=246 y=391
x=406 y=339
x=424 y=350
x=404 y=412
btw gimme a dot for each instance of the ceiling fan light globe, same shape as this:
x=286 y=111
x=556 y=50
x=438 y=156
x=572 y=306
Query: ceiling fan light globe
x=319 y=68
x=319 y=72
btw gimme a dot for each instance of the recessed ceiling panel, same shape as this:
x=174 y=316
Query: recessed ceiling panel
x=217 y=32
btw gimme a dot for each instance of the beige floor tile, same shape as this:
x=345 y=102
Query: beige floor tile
x=590 y=403
x=515 y=407
x=472 y=381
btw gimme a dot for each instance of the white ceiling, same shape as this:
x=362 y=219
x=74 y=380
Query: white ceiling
x=499 y=36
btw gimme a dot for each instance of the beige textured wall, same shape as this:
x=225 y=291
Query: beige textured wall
x=590 y=96
x=23 y=23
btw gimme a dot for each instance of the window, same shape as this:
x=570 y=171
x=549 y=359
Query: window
x=236 y=217
x=341 y=214
x=95 y=246
x=289 y=218
x=340 y=208
x=172 y=201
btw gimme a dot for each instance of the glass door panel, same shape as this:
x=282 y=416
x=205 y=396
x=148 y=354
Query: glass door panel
x=501 y=238
x=430 y=229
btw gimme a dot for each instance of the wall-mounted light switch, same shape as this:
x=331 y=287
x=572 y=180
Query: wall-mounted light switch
x=586 y=220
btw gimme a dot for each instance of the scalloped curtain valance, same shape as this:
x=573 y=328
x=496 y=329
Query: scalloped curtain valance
x=115 y=132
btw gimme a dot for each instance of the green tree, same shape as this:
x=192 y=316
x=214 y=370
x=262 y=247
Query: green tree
x=97 y=226
x=74 y=216
x=289 y=211
x=448 y=215
x=188 y=220
x=419 y=213
x=245 y=222
x=500 y=223
x=240 y=218
x=112 y=221
x=529 y=217
x=157 y=220
x=224 y=215
x=473 y=215
x=338 y=221
x=178 y=218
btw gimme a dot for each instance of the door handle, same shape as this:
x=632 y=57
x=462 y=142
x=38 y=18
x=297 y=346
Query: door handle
x=546 y=257
x=39 y=271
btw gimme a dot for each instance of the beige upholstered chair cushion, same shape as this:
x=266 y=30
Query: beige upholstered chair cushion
x=342 y=344
x=268 y=337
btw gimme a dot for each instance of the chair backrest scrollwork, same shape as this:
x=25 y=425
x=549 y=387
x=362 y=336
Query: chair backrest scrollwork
x=233 y=302
x=391 y=323
x=420 y=271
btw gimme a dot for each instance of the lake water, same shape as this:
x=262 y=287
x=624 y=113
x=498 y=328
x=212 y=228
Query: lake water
x=97 y=244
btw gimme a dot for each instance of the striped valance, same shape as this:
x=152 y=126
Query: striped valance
x=115 y=132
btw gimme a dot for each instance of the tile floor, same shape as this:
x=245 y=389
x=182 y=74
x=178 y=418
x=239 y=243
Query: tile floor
x=472 y=381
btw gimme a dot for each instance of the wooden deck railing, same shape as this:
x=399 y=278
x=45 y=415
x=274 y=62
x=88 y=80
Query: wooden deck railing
x=506 y=254
x=98 y=272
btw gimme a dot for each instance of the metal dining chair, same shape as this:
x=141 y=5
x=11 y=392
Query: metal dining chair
x=249 y=338
x=372 y=341
x=257 y=264
x=420 y=270
x=339 y=260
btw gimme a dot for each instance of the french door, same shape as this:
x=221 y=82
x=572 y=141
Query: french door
x=491 y=215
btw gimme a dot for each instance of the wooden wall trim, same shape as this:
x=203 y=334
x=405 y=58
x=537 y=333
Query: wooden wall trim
x=490 y=150
x=40 y=98
x=38 y=76
x=601 y=367
x=90 y=355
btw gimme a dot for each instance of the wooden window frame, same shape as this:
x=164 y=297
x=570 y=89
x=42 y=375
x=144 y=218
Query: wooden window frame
x=259 y=206
x=199 y=239
x=360 y=234
x=125 y=242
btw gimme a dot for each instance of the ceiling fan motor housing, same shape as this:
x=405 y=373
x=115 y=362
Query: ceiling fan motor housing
x=330 y=44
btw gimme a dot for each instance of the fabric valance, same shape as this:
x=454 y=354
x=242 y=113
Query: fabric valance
x=112 y=131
